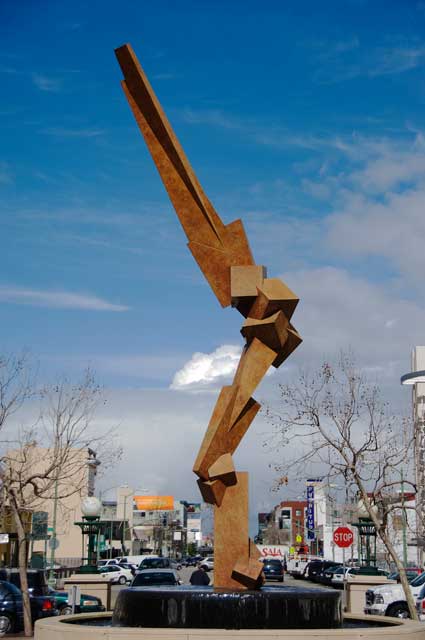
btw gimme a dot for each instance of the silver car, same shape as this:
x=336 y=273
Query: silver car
x=156 y=578
x=208 y=563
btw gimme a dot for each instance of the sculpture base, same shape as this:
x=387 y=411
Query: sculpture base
x=209 y=608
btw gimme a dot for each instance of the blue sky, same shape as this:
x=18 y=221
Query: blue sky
x=306 y=119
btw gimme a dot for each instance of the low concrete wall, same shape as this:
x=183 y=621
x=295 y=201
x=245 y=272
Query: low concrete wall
x=56 y=629
x=357 y=586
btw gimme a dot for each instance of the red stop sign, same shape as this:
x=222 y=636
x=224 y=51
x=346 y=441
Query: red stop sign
x=343 y=537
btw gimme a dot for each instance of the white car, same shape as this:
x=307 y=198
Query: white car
x=337 y=579
x=115 y=574
x=208 y=563
x=297 y=566
x=107 y=563
x=389 y=600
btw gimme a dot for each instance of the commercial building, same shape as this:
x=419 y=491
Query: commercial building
x=53 y=514
x=9 y=547
x=284 y=526
x=149 y=524
x=417 y=381
x=194 y=524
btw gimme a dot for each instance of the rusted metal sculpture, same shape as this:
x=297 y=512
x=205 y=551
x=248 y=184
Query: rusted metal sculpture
x=267 y=304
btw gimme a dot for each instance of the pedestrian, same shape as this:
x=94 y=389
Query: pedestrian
x=199 y=577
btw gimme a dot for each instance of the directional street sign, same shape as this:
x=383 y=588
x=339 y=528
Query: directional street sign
x=53 y=543
x=343 y=537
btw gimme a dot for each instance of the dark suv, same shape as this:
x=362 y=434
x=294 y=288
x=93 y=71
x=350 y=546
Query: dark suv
x=37 y=582
x=273 y=570
x=315 y=568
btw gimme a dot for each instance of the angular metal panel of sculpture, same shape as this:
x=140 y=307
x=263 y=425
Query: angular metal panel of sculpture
x=267 y=304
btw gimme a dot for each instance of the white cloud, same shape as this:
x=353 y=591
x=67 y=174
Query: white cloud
x=396 y=60
x=207 y=370
x=46 y=83
x=373 y=208
x=348 y=60
x=378 y=205
x=338 y=310
x=269 y=134
x=57 y=299
x=63 y=132
x=389 y=164
x=394 y=229
x=212 y=117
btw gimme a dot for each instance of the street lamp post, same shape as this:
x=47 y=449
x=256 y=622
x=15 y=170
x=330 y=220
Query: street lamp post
x=123 y=539
x=90 y=526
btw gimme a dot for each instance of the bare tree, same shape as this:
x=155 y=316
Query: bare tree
x=337 y=420
x=46 y=459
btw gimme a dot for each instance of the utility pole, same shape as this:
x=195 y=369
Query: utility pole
x=404 y=522
x=124 y=528
x=53 y=539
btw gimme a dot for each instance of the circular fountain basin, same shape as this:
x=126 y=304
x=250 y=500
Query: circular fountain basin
x=271 y=607
x=97 y=626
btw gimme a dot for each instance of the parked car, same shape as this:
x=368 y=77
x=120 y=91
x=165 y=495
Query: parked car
x=37 y=581
x=297 y=567
x=156 y=577
x=159 y=563
x=273 y=570
x=337 y=578
x=208 y=563
x=188 y=561
x=88 y=604
x=411 y=575
x=420 y=603
x=414 y=570
x=191 y=561
x=371 y=571
x=130 y=566
x=315 y=567
x=326 y=575
x=106 y=563
x=389 y=600
x=136 y=559
x=116 y=574
x=11 y=608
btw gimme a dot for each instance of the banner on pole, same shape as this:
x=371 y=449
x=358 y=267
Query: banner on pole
x=310 y=513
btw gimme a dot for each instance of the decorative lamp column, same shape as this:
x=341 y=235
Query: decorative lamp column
x=366 y=530
x=90 y=526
